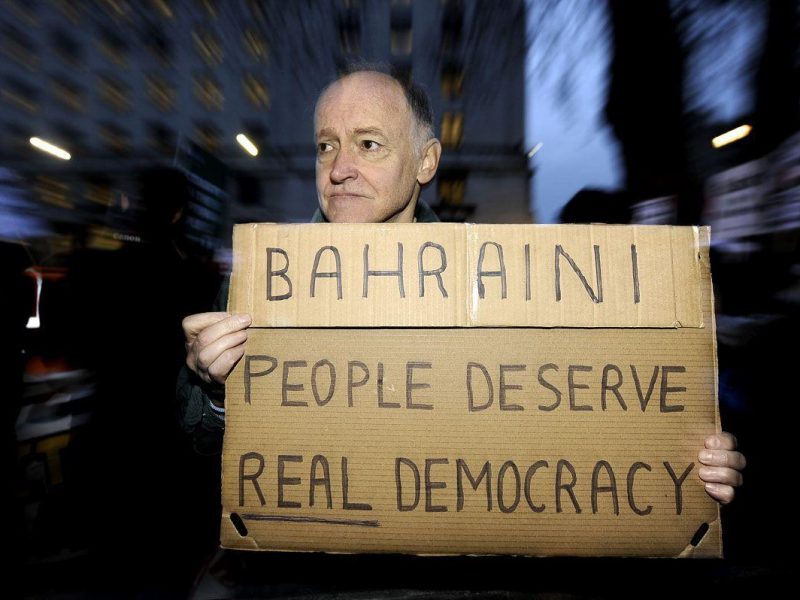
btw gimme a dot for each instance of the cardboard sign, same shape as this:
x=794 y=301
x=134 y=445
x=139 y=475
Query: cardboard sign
x=579 y=439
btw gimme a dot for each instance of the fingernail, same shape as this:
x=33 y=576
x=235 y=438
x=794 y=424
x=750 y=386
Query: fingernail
x=244 y=319
x=705 y=455
x=711 y=487
x=703 y=472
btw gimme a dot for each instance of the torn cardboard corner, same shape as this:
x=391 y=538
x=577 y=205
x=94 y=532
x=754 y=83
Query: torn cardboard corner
x=457 y=275
x=564 y=440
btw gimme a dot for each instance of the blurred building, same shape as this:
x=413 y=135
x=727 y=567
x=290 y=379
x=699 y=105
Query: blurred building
x=124 y=86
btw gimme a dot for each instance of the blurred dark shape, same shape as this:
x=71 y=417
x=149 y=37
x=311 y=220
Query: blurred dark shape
x=165 y=199
x=144 y=485
x=645 y=104
x=16 y=305
x=597 y=206
x=777 y=81
x=758 y=324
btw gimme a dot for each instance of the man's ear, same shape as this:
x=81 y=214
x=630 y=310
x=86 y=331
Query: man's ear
x=430 y=161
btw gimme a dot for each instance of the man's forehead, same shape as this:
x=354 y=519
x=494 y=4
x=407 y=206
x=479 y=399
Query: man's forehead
x=369 y=97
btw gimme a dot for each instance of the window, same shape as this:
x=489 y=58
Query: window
x=160 y=92
x=451 y=186
x=53 y=191
x=208 y=136
x=209 y=92
x=451 y=189
x=452 y=129
x=256 y=45
x=164 y=9
x=114 y=138
x=256 y=90
x=452 y=82
x=401 y=41
x=208 y=47
x=211 y=8
x=115 y=94
x=68 y=94
x=100 y=193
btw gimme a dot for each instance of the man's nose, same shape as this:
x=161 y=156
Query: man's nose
x=344 y=166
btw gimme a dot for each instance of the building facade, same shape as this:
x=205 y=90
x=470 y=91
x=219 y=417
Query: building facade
x=125 y=85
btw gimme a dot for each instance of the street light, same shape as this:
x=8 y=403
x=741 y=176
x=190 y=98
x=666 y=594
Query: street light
x=535 y=149
x=731 y=136
x=245 y=143
x=50 y=148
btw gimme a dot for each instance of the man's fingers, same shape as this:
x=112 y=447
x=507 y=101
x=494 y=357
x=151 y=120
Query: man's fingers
x=222 y=367
x=213 y=332
x=208 y=355
x=720 y=492
x=194 y=324
x=721 y=441
x=720 y=475
x=722 y=458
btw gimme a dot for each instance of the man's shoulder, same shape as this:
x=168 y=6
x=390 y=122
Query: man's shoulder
x=425 y=214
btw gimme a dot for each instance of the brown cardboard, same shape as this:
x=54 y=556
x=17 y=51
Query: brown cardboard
x=340 y=415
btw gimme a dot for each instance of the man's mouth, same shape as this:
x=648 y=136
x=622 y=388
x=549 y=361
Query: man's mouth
x=345 y=196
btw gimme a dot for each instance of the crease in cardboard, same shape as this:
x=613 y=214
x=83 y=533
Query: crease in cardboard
x=471 y=297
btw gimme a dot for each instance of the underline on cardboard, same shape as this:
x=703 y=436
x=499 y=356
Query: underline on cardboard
x=297 y=519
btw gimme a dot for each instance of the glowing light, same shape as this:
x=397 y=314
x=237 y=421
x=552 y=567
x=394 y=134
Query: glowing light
x=50 y=148
x=535 y=149
x=731 y=136
x=245 y=143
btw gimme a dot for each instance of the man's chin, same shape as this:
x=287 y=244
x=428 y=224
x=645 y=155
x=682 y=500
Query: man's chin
x=350 y=210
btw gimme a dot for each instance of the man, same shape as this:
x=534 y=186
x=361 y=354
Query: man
x=375 y=151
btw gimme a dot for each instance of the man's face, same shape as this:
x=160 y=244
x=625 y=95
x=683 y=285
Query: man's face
x=367 y=167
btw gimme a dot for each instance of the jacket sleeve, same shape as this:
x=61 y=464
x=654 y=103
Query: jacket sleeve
x=198 y=419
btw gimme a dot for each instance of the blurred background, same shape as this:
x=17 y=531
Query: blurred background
x=135 y=133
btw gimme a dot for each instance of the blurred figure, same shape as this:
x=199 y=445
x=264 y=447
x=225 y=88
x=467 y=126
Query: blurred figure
x=147 y=487
x=16 y=303
x=597 y=206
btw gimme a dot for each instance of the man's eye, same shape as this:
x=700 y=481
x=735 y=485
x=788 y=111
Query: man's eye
x=324 y=147
x=370 y=145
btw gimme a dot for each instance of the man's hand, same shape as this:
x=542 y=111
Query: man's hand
x=214 y=343
x=722 y=466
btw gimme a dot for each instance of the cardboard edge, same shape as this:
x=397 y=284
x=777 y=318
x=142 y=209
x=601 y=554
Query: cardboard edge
x=710 y=546
x=242 y=302
x=227 y=532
